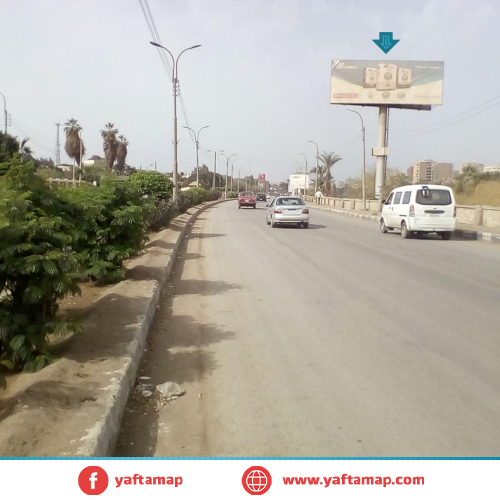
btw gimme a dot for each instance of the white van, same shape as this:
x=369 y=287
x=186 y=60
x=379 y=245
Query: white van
x=420 y=209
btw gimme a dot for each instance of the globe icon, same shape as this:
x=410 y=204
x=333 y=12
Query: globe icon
x=256 y=481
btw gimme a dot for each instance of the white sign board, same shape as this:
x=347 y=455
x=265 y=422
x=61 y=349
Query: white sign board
x=298 y=182
x=397 y=84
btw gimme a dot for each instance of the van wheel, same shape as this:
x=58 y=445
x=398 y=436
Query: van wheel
x=383 y=227
x=446 y=235
x=404 y=231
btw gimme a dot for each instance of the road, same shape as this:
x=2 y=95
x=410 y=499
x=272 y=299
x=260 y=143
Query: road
x=335 y=340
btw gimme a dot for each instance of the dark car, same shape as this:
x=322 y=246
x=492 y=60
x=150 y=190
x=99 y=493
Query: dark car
x=246 y=199
x=261 y=197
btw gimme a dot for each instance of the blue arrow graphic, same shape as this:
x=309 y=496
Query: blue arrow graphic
x=385 y=41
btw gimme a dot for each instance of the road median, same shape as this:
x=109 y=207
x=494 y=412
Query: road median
x=74 y=407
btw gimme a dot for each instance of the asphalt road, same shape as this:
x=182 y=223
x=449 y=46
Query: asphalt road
x=335 y=340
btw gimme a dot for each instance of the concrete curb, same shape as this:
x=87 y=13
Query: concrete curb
x=103 y=439
x=460 y=233
x=74 y=407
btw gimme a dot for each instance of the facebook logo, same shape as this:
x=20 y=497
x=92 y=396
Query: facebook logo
x=93 y=480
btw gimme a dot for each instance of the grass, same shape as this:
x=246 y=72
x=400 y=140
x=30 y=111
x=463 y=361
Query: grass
x=485 y=193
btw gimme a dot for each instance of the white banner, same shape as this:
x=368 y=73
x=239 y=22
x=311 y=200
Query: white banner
x=232 y=479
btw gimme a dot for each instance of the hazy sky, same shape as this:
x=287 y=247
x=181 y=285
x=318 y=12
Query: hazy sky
x=260 y=80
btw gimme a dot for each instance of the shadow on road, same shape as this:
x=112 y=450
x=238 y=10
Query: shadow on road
x=176 y=351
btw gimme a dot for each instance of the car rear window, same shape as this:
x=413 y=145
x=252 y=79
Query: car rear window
x=290 y=201
x=246 y=193
x=433 y=197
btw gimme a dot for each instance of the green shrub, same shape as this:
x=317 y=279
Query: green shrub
x=37 y=267
x=232 y=194
x=110 y=226
x=153 y=184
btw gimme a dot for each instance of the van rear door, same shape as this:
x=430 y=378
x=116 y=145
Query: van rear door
x=434 y=207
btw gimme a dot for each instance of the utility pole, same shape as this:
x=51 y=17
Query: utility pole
x=232 y=170
x=317 y=168
x=363 y=179
x=305 y=179
x=175 y=82
x=155 y=165
x=215 y=169
x=58 y=146
x=227 y=171
x=4 y=111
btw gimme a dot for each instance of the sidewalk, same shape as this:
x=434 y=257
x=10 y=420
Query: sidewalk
x=479 y=233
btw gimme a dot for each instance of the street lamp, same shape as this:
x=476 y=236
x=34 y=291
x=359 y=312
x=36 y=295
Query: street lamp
x=4 y=111
x=215 y=165
x=363 y=180
x=305 y=180
x=232 y=170
x=197 y=143
x=227 y=171
x=317 y=167
x=175 y=82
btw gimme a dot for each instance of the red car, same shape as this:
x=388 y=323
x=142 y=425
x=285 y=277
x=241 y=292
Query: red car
x=247 y=199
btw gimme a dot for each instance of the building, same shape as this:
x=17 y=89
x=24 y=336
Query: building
x=429 y=171
x=409 y=173
x=494 y=169
x=473 y=164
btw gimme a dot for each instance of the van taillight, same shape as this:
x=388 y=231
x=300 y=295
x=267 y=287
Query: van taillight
x=412 y=211
x=455 y=211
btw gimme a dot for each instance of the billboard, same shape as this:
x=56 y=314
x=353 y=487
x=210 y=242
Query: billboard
x=397 y=84
x=298 y=182
x=262 y=177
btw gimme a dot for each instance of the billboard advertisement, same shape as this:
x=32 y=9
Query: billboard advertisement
x=262 y=177
x=298 y=182
x=397 y=84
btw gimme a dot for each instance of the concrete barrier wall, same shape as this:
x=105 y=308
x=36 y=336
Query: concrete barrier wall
x=478 y=215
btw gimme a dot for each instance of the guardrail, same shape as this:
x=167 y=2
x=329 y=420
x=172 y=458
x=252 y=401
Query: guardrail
x=478 y=215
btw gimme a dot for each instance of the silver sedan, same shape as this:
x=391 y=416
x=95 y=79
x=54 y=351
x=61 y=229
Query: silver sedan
x=285 y=210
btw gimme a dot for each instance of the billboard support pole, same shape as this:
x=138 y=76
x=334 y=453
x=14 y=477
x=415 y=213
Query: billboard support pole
x=381 y=160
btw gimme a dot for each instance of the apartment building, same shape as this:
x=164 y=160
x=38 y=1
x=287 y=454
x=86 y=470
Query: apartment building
x=429 y=171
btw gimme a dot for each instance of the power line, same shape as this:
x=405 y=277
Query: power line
x=27 y=136
x=40 y=138
x=155 y=36
x=449 y=125
x=452 y=117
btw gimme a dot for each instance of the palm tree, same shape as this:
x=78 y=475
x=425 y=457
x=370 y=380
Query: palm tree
x=72 y=129
x=121 y=154
x=110 y=144
x=328 y=160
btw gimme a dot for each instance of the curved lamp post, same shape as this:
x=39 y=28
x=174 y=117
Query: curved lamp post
x=197 y=136
x=175 y=82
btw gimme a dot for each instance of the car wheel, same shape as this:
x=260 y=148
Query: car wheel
x=446 y=235
x=273 y=224
x=404 y=231
x=239 y=206
x=267 y=221
x=383 y=227
x=305 y=225
x=255 y=206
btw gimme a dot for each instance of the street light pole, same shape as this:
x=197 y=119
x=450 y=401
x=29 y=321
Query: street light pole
x=227 y=171
x=197 y=137
x=363 y=179
x=317 y=167
x=215 y=165
x=4 y=111
x=232 y=170
x=175 y=82
x=305 y=179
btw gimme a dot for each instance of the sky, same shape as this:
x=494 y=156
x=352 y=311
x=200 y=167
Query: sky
x=260 y=80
